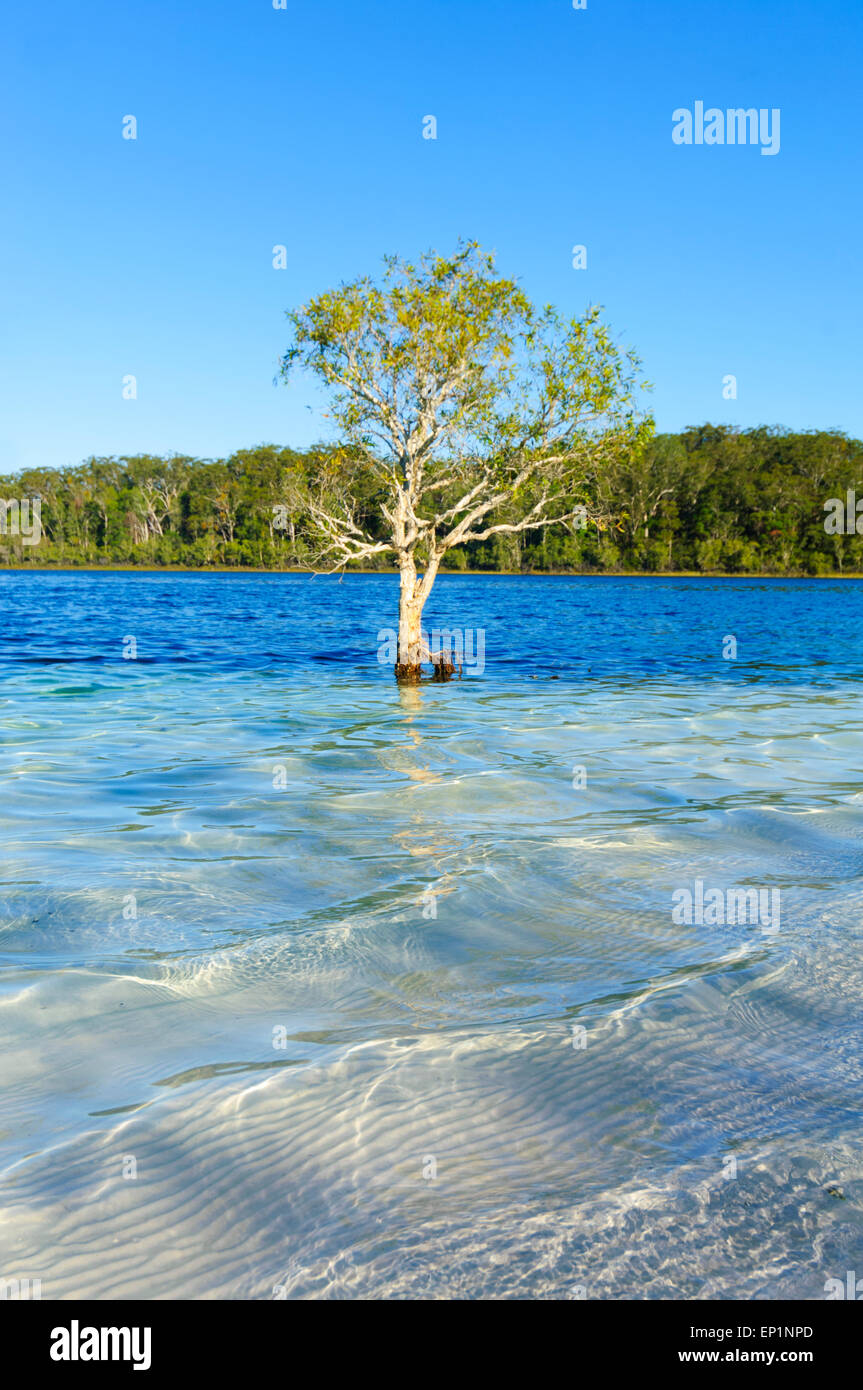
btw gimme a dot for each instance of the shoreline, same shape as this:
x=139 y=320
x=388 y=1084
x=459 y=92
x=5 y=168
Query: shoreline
x=442 y=574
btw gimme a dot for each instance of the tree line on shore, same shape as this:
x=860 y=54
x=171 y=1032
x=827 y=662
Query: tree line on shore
x=711 y=499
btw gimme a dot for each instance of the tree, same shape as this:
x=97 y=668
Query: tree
x=638 y=484
x=462 y=412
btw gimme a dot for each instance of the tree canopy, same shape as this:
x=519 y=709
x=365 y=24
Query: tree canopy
x=470 y=412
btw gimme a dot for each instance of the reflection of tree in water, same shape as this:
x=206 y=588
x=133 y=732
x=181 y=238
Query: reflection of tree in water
x=425 y=838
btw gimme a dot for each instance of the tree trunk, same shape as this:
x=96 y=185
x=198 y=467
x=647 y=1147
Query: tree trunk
x=411 y=650
x=412 y=647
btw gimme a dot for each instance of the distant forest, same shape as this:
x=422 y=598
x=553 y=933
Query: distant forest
x=713 y=499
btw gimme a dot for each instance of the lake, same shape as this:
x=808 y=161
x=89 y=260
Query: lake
x=312 y=986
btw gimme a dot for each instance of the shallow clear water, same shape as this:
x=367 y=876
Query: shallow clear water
x=294 y=965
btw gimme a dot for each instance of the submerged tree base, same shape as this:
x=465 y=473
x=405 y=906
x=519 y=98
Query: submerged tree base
x=443 y=669
x=408 y=675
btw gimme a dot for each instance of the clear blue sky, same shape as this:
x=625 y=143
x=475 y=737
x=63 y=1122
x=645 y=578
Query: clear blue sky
x=303 y=127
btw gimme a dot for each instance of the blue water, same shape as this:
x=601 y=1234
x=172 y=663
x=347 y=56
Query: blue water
x=312 y=986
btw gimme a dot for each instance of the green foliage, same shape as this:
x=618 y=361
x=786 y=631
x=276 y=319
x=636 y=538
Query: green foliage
x=710 y=500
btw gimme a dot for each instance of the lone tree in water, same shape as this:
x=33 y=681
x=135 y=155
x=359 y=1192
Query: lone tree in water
x=462 y=411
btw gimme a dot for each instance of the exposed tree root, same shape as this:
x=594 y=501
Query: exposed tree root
x=444 y=666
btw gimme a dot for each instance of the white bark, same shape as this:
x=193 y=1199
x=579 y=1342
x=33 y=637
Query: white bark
x=411 y=650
